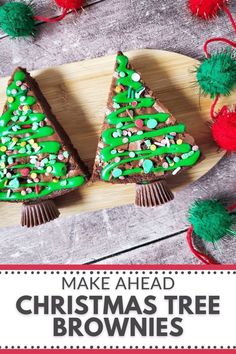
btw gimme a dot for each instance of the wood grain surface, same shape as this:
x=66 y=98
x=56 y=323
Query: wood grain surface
x=124 y=234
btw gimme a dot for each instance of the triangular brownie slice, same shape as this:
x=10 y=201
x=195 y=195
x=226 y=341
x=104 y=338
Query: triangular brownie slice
x=141 y=142
x=37 y=159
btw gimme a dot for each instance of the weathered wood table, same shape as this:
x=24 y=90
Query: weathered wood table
x=125 y=234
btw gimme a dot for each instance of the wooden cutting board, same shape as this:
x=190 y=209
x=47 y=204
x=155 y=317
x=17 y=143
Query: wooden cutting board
x=78 y=92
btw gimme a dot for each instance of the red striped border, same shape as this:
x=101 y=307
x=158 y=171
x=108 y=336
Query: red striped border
x=115 y=267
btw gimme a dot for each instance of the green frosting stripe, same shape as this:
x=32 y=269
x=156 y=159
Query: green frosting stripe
x=126 y=103
x=49 y=188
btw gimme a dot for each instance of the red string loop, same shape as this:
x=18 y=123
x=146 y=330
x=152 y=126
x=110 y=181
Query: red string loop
x=226 y=10
x=52 y=20
x=201 y=256
x=217 y=39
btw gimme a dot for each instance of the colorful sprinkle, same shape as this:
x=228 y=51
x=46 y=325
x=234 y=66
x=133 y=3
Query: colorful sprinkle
x=176 y=159
x=3 y=148
x=25 y=108
x=151 y=123
x=132 y=154
x=134 y=103
x=125 y=140
x=14 y=183
x=195 y=148
x=33 y=175
x=153 y=147
x=117 y=172
x=49 y=169
x=179 y=141
x=176 y=170
x=135 y=77
x=147 y=166
x=139 y=123
x=37 y=189
x=116 y=105
x=60 y=157
x=10 y=100
x=118 y=89
x=66 y=154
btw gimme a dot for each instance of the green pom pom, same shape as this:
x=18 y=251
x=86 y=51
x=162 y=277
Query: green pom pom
x=17 y=19
x=210 y=220
x=217 y=74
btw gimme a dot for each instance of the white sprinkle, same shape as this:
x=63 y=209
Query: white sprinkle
x=158 y=144
x=140 y=132
x=117 y=159
x=195 y=148
x=173 y=134
x=176 y=170
x=138 y=94
x=125 y=133
x=163 y=142
x=121 y=177
x=107 y=111
x=125 y=140
x=167 y=142
x=22 y=98
x=135 y=77
x=18 y=83
x=8 y=193
x=116 y=74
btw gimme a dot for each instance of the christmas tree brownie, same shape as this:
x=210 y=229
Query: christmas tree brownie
x=37 y=159
x=141 y=142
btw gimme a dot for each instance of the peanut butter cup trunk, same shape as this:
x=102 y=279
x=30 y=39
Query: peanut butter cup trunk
x=141 y=142
x=37 y=159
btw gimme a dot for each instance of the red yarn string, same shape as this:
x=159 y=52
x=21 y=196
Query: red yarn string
x=217 y=39
x=202 y=257
x=213 y=116
x=52 y=20
x=226 y=10
x=231 y=207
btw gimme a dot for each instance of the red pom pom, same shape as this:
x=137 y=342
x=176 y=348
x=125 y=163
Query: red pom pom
x=70 y=4
x=205 y=8
x=224 y=129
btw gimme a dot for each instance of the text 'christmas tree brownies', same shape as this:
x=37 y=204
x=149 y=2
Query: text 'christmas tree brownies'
x=141 y=142
x=37 y=159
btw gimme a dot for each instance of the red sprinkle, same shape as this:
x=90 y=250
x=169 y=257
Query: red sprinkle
x=139 y=123
x=134 y=103
x=37 y=189
x=25 y=172
x=26 y=126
